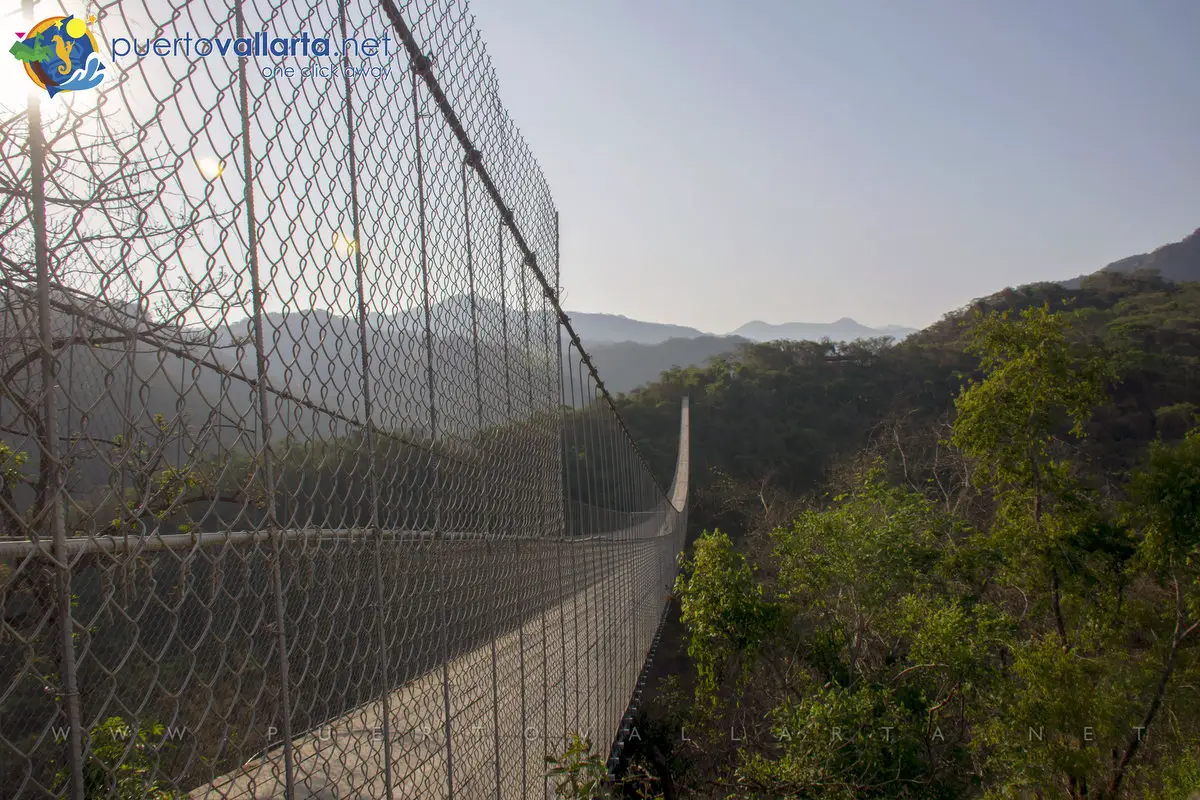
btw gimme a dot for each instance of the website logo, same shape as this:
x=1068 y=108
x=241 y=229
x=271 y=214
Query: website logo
x=60 y=55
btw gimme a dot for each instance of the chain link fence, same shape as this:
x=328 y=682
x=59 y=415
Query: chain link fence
x=307 y=486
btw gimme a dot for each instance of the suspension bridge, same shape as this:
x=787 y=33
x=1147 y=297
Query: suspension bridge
x=308 y=486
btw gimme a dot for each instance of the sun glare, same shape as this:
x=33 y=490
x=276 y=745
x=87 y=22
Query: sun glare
x=210 y=167
x=343 y=245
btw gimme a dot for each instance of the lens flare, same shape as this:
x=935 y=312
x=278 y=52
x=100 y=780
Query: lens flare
x=210 y=167
x=343 y=245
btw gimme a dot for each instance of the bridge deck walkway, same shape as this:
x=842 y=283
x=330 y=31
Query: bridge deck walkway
x=344 y=759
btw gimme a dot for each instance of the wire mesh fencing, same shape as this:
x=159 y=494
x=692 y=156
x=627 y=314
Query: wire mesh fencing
x=307 y=486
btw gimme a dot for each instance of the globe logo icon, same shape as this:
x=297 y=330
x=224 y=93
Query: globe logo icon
x=60 y=55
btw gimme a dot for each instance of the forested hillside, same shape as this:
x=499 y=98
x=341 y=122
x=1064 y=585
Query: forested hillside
x=778 y=417
x=964 y=565
x=628 y=365
x=1177 y=261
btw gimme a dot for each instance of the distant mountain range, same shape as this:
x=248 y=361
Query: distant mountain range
x=843 y=330
x=1178 y=261
x=616 y=328
x=613 y=328
x=630 y=352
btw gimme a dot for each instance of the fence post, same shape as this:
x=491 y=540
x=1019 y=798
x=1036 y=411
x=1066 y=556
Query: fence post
x=53 y=503
x=421 y=63
x=559 y=419
x=507 y=419
x=611 y=543
x=545 y=519
x=522 y=268
x=597 y=556
x=633 y=546
x=587 y=400
x=516 y=552
x=574 y=513
x=263 y=426
x=385 y=685
x=470 y=160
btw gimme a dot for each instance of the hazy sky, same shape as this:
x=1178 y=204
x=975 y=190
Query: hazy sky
x=717 y=161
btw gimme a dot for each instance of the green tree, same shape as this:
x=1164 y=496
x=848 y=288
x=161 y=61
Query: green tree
x=123 y=760
x=724 y=609
x=1165 y=501
x=893 y=659
x=579 y=773
x=1036 y=391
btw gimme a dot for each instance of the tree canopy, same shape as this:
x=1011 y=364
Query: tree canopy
x=966 y=565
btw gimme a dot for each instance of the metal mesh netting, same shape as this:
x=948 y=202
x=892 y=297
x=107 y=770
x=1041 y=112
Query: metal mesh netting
x=307 y=486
